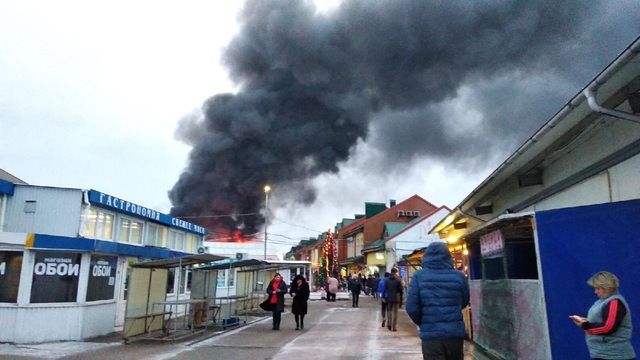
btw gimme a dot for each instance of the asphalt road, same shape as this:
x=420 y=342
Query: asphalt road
x=333 y=330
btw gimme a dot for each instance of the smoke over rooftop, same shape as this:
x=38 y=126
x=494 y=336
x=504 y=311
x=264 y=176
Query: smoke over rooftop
x=390 y=74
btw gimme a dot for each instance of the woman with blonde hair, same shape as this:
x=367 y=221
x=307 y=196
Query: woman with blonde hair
x=607 y=326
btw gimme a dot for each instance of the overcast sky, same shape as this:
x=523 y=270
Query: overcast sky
x=333 y=106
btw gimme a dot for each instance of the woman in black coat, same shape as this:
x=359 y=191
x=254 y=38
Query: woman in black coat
x=300 y=293
x=276 y=290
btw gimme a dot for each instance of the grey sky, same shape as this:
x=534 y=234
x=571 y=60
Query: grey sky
x=367 y=101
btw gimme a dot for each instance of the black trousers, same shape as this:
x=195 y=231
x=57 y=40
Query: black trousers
x=443 y=349
x=355 y=298
x=277 y=316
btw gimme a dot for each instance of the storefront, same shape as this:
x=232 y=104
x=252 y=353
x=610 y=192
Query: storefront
x=65 y=257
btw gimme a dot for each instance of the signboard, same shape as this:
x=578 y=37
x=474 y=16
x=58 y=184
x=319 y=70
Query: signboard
x=492 y=244
x=102 y=277
x=10 y=266
x=55 y=277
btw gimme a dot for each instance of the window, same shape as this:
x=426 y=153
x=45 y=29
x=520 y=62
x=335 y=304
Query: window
x=10 y=267
x=193 y=243
x=98 y=225
x=156 y=235
x=232 y=276
x=186 y=281
x=55 y=277
x=221 y=278
x=30 y=206
x=171 y=278
x=102 y=277
x=176 y=240
x=130 y=231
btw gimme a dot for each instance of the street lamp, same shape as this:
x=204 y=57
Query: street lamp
x=267 y=188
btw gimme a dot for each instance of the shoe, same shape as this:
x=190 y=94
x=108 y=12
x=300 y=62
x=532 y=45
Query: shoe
x=394 y=329
x=297 y=328
x=383 y=323
x=389 y=327
x=274 y=328
x=353 y=306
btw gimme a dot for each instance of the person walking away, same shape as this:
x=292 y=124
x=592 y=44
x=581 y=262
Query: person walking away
x=355 y=286
x=332 y=288
x=607 y=326
x=300 y=293
x=393 y=295
x=437 y=294
x=383 y=300
x=276 y=290
x=376 y=282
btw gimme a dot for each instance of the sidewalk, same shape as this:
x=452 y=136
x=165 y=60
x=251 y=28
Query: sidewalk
x=333 y=330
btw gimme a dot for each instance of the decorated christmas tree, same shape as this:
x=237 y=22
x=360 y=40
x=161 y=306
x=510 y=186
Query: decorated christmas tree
x=330 y=256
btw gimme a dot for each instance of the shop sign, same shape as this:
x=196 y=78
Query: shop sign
x=492 y=244
x=55 y=277
x=102 y=277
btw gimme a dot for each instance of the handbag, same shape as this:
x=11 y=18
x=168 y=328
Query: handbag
x=266 y=305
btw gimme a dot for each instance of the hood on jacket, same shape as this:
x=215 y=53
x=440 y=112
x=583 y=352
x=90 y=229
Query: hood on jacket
x=437 y=256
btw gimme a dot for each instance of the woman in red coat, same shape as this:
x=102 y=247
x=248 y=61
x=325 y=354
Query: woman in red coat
x=276 y=290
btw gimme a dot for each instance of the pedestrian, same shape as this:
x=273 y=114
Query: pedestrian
x=383 y=300
x=332 y=288
x=437 y=295
x=300 y=293
x=276 y=290
x=376 y=282
x=607 y=326
x=393 y=297
x=355 y=286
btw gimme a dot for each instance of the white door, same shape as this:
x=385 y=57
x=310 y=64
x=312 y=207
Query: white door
x=122 y=281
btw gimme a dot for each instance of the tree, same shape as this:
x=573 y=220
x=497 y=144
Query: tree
x=330 y=256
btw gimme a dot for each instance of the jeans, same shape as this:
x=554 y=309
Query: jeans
x=355 y=298
x=392 y=314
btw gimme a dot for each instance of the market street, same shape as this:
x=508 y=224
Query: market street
x=333 y=330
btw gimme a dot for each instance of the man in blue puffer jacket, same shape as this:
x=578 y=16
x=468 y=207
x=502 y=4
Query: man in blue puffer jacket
x=437 y=295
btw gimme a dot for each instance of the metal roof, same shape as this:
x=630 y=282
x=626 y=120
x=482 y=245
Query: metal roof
x=182 y=261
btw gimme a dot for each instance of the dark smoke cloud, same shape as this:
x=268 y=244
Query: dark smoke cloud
x=313 y=85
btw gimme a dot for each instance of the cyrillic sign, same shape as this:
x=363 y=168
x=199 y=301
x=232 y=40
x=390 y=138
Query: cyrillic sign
x=130 y=208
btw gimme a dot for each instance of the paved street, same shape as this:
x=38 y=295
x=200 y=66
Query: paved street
x=332 y=331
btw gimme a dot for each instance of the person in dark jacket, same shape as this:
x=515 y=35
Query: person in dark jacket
x=392 y=294
x=276 y=290
x=437 y=295
x=300 y=293
x=355 y=286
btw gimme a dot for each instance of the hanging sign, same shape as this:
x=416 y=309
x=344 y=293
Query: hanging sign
x=492 y=243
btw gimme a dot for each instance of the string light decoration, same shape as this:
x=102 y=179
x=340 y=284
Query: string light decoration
x=330 y=255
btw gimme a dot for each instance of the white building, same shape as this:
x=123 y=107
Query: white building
x=65 y=255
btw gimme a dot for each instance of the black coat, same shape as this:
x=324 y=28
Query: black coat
x=279 y=295
x=299 y=304
x=355 y=286
x=393 y=287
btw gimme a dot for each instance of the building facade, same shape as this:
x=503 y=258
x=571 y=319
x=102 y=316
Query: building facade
x=65 y=256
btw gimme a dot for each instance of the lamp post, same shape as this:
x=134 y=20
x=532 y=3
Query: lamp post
x=267 y=188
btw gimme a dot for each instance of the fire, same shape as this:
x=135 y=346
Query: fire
x=235 y=236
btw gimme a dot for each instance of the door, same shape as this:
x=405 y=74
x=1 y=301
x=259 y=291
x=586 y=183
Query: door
x=122 y=282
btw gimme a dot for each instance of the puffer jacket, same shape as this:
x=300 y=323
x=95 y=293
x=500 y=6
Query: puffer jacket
x=437 y=294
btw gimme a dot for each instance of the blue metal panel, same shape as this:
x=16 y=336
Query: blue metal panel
x=574 y=244
x=68 y=243
x=141 y=211
x=6 y=187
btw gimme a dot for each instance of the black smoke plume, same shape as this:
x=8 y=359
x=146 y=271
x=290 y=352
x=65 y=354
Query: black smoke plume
x=313 y=85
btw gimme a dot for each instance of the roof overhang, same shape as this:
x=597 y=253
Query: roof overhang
x=182 y=261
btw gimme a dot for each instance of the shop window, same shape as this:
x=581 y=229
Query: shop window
x=10 y=267
x=55 y=277
x=186 y=281
x=102 y=277
x=171 y=279
x=156 y=235
x=130 y=231
x=517 y=261
x=193 y=243
x=98 y=225
x=222 y=279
